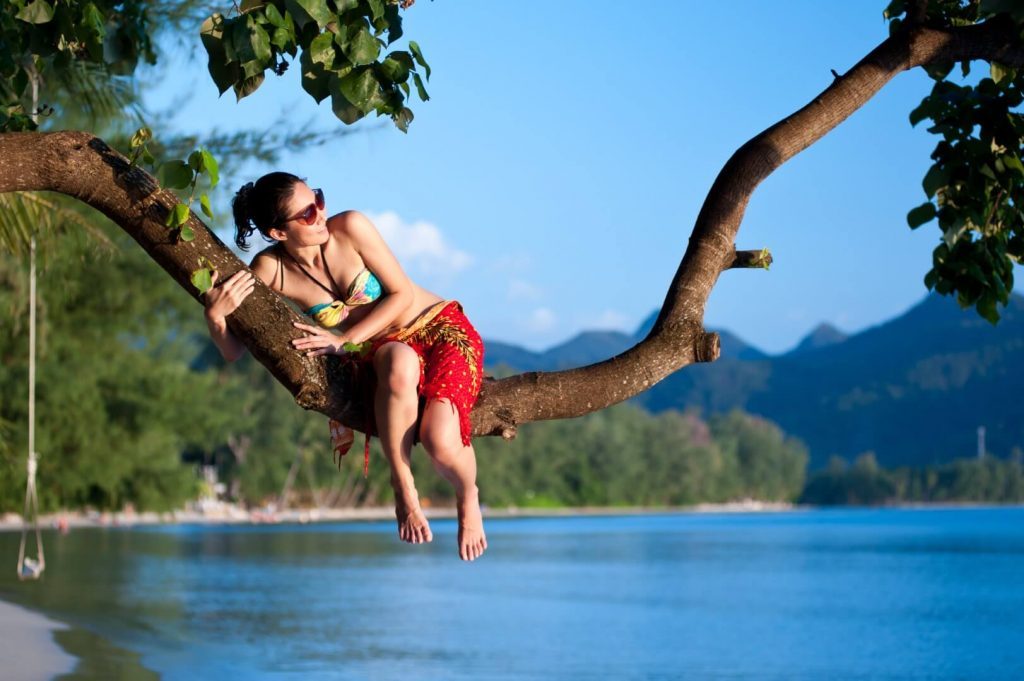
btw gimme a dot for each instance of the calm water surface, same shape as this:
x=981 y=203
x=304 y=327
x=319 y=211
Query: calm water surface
x=863 y=594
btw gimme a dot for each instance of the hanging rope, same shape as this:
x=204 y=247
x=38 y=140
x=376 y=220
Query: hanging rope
x=28 y=567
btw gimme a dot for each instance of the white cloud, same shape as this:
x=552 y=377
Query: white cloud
x=609 y=319
x=541 y=319
x=522 y=290
x=511 y=262
x=420 y=243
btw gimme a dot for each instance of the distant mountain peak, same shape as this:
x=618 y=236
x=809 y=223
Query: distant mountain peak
x=821 y=336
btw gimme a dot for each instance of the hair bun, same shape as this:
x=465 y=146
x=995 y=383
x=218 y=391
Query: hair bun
x=244 y=193
x=242 y=209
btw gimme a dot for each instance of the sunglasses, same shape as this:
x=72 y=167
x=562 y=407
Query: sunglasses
x=308 y=214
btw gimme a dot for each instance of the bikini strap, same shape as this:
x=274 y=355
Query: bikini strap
x=313 y=279
x=280 y=265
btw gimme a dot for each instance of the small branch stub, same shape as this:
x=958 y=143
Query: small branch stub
x=708 y=347
x=748 y=259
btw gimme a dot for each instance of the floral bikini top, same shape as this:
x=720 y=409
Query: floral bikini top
x=365 y=288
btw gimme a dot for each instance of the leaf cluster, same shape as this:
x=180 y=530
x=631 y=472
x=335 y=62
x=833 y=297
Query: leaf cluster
x=975 y=186
x=341 y=43
x=39 y=37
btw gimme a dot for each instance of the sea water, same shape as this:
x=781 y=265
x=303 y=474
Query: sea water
x=835 y=594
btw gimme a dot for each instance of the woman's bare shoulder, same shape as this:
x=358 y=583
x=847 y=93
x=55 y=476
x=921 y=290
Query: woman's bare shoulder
x=266 y=265
x=350 y=223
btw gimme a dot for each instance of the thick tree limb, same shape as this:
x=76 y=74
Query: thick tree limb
x=82 y=166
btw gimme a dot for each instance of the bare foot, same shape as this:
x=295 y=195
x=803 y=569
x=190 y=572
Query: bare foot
x=472 y=541
x=412 y=524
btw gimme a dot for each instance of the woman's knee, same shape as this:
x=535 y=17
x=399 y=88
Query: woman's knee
x=440 y=431
x=397 y=367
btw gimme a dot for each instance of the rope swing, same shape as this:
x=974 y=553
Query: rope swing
x=28 y=567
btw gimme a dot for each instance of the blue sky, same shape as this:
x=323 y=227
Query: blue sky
x=552 y=181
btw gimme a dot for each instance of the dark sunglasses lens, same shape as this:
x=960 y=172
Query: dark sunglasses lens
x=318 y=195
x=309 y=215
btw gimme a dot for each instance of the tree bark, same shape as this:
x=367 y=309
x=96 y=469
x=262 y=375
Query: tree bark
x=82 y=166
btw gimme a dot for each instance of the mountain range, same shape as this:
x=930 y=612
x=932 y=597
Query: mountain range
x=914 y=390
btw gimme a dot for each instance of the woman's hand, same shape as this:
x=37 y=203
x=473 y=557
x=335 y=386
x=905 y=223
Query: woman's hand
x=319 y=341
x=224 y=299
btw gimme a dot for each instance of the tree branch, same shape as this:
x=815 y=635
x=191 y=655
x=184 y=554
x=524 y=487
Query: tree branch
x=82 y=166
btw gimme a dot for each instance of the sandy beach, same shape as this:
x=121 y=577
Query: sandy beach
x=27 y=648
x=225 y=513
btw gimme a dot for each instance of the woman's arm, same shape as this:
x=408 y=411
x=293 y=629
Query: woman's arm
x=222 y=300
x=376 y=255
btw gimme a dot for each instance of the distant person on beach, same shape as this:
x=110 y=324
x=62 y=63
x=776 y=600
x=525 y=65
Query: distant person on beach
x=420 y=358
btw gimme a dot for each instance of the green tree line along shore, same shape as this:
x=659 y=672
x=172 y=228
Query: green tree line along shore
x=132 y=400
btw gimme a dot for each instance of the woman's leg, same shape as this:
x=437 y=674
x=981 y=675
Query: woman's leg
x=398 y=372
x=442 y=438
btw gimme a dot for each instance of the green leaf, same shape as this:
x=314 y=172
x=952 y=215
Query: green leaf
x=186 y=234
x=248 y=86
x=895 y=9
x=321 y=50
x=37 y=12
x=174 y=175
x=362 y=47
x=202 y=279
x=141 y=136
x=260 y=40
x=204 y=204
x=223 y=70
x=377 y=8
x=924 y=110
x=361 y=348
x=402 y=118
x=418 y=55
x=195 y=161
x=986 y=307
x=396 y=67
x=346 y=5
x=394 y=21
x=1013 y=162
x=316 y=79
x=304 y=11
x=94 y=31
x=181 y=213
x=361 y=89
x=211 y=167
x=419 y=87
x=936 y=178
x=938 y=70
x=281 y=38
x=920 y=215
x=147 y=157
x=347 y=112
x=274 y=16
x=248 y=5
x=1011 y=7
x=1000 y=72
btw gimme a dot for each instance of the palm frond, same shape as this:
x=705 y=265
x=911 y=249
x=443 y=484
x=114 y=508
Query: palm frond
x=24 y=215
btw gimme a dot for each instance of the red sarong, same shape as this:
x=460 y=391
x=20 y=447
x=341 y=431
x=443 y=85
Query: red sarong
x=451 y=356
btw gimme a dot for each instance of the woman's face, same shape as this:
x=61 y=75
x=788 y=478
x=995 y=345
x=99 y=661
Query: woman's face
x=305 y=219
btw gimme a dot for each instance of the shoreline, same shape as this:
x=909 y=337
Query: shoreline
x=27 y=642
x=230 y=514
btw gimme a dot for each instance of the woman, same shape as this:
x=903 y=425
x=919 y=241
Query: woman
x=425 y=360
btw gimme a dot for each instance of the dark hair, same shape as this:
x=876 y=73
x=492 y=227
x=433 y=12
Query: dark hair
x=258 y=205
